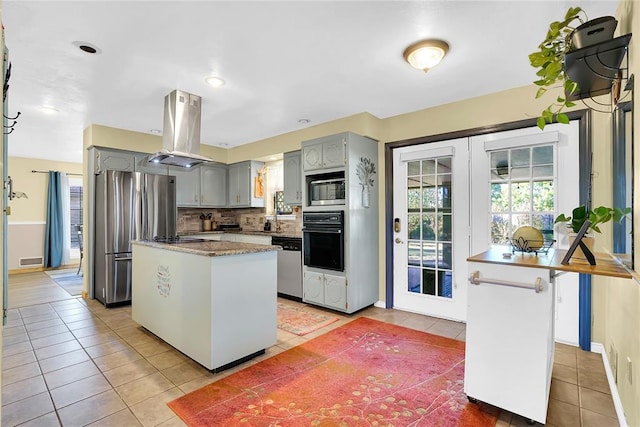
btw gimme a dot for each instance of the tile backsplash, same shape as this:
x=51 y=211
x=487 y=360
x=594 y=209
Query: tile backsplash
x=250 y=219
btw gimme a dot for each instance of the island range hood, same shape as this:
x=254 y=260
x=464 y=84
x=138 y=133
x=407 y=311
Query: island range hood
x=181 y=133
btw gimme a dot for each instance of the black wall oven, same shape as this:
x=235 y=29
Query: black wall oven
x=323 y=240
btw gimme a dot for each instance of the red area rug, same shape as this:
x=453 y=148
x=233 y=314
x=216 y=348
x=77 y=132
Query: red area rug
x=300 y=322
x=365 y=373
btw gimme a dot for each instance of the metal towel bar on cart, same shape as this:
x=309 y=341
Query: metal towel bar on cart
x=538 y=286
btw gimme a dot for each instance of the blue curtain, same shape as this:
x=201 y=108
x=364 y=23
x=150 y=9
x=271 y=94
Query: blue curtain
x=54 y=228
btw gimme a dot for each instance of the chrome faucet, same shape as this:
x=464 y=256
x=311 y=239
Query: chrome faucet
x=275 y=218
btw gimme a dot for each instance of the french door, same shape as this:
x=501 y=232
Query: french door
x=431 y=228
x=527 y=177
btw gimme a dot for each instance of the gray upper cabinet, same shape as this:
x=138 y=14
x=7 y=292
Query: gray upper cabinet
x=213 y=185
x=187 y=186
x=324 y=153
x=242 y=185
x=107 y=159
x=203 y=186
x=292 y=178
x=143 y=165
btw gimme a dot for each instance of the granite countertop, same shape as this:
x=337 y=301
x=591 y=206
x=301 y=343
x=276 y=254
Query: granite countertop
x=211 y=248
x=294 y=234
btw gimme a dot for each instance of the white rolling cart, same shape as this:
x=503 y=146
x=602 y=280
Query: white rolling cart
x=510 y=330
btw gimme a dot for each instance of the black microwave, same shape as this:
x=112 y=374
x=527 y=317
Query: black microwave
x=329 y=191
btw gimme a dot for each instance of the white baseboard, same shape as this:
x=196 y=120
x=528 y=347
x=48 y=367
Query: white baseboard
x=380 y=304
x=596 y=347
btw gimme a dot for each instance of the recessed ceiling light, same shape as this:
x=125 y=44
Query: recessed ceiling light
x=87 y=47
x=156 y=131
x=426 y=54
x=304 y=121
x=273 y=158
x=214 y=81
x=48 y=109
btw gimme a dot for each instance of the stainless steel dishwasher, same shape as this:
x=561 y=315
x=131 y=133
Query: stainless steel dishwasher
x=289 y=266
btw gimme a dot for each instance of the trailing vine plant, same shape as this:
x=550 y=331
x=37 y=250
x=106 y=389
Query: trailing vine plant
x=549 y=60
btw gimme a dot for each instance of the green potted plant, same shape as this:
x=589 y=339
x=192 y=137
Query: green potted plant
x=562 y=37
x=597 y=216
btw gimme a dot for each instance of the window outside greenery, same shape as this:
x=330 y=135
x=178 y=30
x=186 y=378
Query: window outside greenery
x=522 y=191
x=429 y=226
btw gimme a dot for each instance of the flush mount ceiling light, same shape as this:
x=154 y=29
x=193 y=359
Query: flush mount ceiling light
x=48 y=109
x=426 y=54
x=87 y=47
x=304 y=121
x=214 y=81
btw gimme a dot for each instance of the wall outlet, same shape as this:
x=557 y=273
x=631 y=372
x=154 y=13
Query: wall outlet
x=629 y=370
x=613 y=362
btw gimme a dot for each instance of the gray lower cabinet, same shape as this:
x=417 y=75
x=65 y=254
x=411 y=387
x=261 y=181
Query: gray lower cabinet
x=292 y=172
x=325 y=289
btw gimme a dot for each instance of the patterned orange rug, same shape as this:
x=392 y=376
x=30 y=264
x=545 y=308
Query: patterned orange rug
x=301 y=322
x=365 y=373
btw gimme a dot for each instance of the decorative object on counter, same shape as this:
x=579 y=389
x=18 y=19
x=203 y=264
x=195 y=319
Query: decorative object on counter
x=562 y=37
x=584 y=249
x=366 y=368
x=365 y=171
x=580 y=217
x=206 y=221
x=529 y=239
x=299 y=321
x=267 y=226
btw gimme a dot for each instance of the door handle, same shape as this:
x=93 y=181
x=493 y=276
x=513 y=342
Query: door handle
x=399 y=240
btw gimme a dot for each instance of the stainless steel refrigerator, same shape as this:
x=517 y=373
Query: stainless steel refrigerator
x=129 y=206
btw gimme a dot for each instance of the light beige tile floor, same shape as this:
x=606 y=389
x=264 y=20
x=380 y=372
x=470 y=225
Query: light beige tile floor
x=69 y=361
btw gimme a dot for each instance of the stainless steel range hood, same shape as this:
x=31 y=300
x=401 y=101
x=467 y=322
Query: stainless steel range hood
x=181 y=134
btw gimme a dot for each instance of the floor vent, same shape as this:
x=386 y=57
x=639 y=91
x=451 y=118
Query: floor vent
x=30 y=262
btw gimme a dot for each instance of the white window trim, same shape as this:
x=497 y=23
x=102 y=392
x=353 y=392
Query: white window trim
x=543 y=138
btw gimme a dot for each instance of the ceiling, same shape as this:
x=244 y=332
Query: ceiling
x=282 y=62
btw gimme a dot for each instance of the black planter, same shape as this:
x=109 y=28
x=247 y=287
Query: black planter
x=593 y=32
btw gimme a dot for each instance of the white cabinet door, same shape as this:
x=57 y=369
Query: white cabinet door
x=313 y=287
x=312 y=156
x=213 y=186
x=335 y=291
x=334 y=153
x=292 y=179
x=114 y=160
x=187 y=186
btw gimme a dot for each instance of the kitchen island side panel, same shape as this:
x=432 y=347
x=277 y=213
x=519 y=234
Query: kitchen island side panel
x=243 y=305
x=214 y=309
x=510 y=340
x=171 y=297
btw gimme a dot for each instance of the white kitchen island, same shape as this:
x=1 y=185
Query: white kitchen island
x=214 y=301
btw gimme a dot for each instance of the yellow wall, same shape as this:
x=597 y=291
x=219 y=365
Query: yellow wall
x=616 y=302
x=34 y=185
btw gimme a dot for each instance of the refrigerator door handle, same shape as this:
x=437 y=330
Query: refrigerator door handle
x=122 y=259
